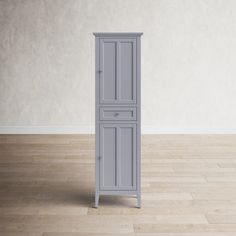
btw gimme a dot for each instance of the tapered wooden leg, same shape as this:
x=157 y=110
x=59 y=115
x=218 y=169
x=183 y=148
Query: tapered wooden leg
x=96 y=200
x=139 y=200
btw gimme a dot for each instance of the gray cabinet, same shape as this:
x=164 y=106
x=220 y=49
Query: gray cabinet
x=117 y=74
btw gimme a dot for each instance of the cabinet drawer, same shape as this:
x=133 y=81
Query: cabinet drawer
x=122 y=113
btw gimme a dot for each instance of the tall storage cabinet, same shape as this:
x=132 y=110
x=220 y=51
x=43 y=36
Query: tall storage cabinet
x=118 y=129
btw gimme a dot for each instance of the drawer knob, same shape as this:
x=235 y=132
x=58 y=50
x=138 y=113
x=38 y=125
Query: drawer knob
x=116 y=114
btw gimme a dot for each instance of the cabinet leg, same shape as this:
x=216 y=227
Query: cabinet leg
x=139 y=201
x=96 y=200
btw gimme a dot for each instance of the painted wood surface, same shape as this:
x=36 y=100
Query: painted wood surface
x=117 y=74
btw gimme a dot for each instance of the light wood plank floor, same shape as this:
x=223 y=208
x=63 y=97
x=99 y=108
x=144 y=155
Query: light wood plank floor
x=188 y=188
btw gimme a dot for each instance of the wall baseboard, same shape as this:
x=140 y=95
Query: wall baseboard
x=47 y=129
x=91 y=130
x=186 y=130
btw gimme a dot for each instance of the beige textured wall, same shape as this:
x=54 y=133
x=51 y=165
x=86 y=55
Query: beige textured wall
x=188 y=61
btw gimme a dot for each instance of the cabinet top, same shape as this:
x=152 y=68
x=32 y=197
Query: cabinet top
x=112 y=34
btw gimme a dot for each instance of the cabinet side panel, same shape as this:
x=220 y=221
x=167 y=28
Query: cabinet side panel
x=138 y=149
x=97 y=116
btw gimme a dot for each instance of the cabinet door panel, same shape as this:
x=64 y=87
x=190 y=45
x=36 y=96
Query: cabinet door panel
x=127 y=156
x=108 y=157
x=118 y=156
x=117 y=73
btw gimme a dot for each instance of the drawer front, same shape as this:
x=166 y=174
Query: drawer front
x=124 y=113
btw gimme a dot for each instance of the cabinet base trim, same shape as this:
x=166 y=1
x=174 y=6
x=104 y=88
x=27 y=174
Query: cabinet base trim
x=118 y=193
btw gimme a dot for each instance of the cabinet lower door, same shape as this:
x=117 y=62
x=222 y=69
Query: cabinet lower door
x=117 y=165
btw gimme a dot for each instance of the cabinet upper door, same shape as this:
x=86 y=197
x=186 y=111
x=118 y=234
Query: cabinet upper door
x=117 y=70
x=117 y=157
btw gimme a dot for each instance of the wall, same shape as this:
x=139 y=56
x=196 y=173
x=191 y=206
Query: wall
x=188 y=63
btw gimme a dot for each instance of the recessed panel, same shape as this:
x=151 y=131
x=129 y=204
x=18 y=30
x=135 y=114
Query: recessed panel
x=126 y=77
x=108 y=72
x=108 y=157
x=127 y=157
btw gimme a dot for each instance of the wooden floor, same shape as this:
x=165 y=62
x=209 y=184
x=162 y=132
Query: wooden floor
x=47 y=188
